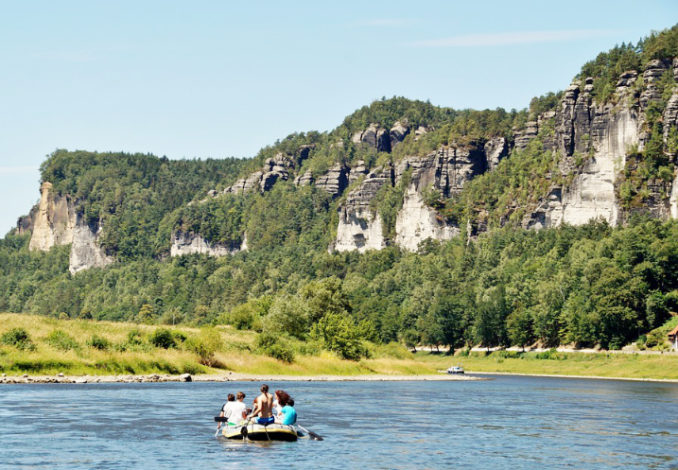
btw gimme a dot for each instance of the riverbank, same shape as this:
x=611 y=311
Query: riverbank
x=81 y=351
x=73 y=379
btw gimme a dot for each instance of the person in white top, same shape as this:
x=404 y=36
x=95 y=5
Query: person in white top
x=238 y=409
x=227 y=409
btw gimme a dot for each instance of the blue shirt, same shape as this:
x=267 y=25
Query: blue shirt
x=289 y=415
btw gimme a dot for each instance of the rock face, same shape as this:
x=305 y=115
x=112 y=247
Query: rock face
x=417 y=222
x=673 y=201
x=594 y=141
x=278 y=168
x=335 y=181
x=446 y=170
x=360 y=227
x=374 y=136
x=85 y=251
x=25 y=223
x=190 y=243
x=54 y=221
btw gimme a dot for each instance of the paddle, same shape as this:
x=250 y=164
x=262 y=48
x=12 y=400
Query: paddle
x=313 y=435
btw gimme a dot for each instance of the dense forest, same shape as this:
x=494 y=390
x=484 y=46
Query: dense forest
x=588 y=285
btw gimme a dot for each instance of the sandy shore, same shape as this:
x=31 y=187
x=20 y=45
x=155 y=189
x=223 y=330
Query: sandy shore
x=72 y=379
x=562 y=376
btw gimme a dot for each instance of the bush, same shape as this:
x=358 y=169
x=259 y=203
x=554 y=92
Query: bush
x=19 y=338
x=162 y=338
x=61 y=340
x=551 y=354
x=98 y=342
x=205 y=345
x=134 y=337
x=338 y=333
x=274 y=346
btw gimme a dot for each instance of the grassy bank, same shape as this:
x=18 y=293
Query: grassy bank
x=632 y=366
x=86 y=347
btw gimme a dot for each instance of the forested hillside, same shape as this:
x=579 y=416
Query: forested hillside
x=494 y=283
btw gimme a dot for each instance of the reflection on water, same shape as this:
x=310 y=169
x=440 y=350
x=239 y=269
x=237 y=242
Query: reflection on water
x=509 y=422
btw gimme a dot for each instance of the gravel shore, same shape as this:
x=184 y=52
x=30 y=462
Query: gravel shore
x=71 y=379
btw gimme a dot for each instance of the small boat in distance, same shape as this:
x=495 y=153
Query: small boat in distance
x=455 y=370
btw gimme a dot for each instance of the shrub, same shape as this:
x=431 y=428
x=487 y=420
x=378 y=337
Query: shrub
x=162 y=338
x=274 y=346
x=98 y=342
x=19 y=338
x=61 y=340
x=205 y=345
x=338 y=333
x=134 y=337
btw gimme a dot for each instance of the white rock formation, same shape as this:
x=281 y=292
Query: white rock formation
x=85 y=251
x=417 y=222
x=190 y=243
x=673 y=201
x=359 y=230
x=54 y=221
x=591 y=195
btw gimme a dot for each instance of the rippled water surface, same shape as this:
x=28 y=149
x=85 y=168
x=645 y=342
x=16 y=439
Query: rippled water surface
x=508 y=422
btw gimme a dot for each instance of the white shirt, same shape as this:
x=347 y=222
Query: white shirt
x=234 y=410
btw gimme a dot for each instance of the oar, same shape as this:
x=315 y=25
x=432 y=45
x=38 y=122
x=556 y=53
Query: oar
x=219 y=419
x=313 y=435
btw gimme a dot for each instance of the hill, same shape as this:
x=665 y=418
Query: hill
x=409 y=222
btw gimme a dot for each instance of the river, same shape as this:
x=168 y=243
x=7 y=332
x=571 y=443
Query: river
x=508 y=422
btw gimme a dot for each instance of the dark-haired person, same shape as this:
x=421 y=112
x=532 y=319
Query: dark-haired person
x=263 y=407
x=280 y=400
x=226 y=410
x=288 y=415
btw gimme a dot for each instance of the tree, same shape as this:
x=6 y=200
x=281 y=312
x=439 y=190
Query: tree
x=339 y=334
x=519 y=326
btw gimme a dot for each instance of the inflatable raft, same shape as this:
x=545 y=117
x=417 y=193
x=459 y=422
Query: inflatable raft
x=259 y=432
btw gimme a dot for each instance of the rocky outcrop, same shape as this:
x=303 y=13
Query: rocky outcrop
x=278 y=168
x=398 y=133
x=304 y=179
x=416 y=222
x=496 y=149
x=446 y=170
x=187 y=243
x=670 y=117
x=652 y=74
x=593 y=141
x=335 y=181
x=673 y=200
x=54 y=221
x=374 y=136
x=85 y=250
x=24 y=224
x=360 y=226
x=357 y=171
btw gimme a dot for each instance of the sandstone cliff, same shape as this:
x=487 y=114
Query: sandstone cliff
x=56 y=222
x=600 y=136
x=191 y=243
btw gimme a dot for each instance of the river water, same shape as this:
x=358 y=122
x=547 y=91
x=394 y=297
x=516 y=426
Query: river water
x=507 y=422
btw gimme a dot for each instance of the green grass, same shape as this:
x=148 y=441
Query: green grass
x=66 y=346
x=637 y=366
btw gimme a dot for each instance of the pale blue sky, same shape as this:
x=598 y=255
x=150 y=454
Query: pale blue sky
x=215 y=79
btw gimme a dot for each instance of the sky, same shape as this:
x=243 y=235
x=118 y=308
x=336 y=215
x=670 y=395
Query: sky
x=217 y=79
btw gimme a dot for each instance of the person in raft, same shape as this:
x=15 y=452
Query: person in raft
x=233 y=411
x=288 y=415
x=280 y=397
x=263 y=406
